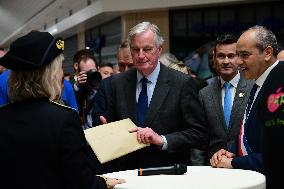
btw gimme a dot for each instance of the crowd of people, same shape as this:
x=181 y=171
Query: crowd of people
x=232 y=120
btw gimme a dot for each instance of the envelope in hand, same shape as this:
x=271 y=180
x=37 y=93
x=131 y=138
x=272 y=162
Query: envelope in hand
x=112 y=140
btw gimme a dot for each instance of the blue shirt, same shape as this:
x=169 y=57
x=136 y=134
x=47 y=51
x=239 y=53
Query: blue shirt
x=4 y=99
x=67 y=95
x=152 y=80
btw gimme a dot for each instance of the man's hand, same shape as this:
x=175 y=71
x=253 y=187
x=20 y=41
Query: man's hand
x=111 y=182
x=81 y=78
x=103 y=120
x=147 y=136
x=217 y=157
x=225 y=162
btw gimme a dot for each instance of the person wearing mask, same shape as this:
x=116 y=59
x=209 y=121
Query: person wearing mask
x=42 y=142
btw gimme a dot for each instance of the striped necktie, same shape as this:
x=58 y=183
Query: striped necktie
x=244 y=148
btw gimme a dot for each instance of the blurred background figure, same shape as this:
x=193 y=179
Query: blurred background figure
x=87 y=81
x=168 y=58
x=115 y=68
x=103 y=97
x=124 y=58
x=76 y=58
x=2 y=53
x=211 y=65
x=106 y=69
x=171 y=61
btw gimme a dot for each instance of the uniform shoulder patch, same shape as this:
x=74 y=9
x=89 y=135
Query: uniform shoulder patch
x=61 y=105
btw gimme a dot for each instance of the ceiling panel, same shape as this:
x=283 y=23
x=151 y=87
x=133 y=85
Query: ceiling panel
x=15 y=13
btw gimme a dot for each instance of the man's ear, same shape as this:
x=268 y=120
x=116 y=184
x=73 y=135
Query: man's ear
x=160 y=48
x=268 y=53
x=75 y=66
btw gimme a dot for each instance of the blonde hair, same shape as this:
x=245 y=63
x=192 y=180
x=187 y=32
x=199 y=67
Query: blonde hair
x=180 y=66
x=39 y=83
x=168 y=58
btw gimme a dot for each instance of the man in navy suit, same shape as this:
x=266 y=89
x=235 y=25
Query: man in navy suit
x=173 y=121
x=102 y=98
x=257 y=49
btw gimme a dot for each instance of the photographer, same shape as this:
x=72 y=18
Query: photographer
x=85 y=87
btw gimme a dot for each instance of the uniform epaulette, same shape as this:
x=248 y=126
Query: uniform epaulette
x=61 y=105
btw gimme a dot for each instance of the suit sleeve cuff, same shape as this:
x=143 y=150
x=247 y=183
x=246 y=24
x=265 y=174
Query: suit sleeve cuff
x=165 y=145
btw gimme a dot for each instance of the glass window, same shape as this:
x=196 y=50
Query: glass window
x=210 y=22
x=227 y=20
x=195 y=26
x=179 y=26
x=263 y=15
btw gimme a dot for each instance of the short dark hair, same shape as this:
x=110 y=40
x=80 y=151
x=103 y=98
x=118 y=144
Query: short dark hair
x=227 y=38
x=2 y=49
x=80 y=53
x=106 y=64
x=265 y=38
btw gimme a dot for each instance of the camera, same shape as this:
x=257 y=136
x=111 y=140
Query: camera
x=93 y=79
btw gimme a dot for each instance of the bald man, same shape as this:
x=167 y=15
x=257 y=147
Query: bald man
x=280 y=55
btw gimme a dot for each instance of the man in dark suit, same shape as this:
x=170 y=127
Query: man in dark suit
x=224 y=130
x=257 y=50
x=172 y=121
x=102 y=98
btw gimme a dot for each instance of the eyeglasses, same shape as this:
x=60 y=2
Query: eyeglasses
x=145 y=50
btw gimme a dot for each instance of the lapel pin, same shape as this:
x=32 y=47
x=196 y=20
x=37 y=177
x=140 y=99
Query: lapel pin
x=241 y=95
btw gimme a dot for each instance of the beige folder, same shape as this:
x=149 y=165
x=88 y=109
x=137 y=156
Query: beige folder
x=112 y=140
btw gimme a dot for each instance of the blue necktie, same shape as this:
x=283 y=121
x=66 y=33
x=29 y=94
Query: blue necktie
x=142 y=105
x=227 y=103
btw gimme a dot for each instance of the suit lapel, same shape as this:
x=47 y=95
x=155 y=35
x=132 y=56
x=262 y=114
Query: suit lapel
x=130 y=94
x=241 y=93
x=217 y=100
x=160 y=92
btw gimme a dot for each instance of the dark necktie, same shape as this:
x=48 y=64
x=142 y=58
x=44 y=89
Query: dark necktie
x=142 y=105
x=227 y=103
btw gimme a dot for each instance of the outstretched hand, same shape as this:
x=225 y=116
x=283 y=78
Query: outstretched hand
x=147 y=136
x=111 y=182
